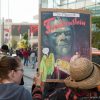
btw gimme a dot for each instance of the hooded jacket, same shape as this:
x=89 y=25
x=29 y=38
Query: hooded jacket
x=11 y=91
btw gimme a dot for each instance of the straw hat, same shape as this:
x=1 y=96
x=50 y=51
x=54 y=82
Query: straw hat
x=83 y=74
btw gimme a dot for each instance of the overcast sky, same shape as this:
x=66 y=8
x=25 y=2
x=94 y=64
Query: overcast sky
x=19 y=10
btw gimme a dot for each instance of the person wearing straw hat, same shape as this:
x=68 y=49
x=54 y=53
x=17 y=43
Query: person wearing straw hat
x=82 y=83
x=83 y=80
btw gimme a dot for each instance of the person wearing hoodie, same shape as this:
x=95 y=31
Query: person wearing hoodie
x=11 y=73
x=5 y=51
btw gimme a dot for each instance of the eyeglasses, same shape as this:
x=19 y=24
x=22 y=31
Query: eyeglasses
x=20 y=69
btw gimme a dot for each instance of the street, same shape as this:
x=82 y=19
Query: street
x=28 y=83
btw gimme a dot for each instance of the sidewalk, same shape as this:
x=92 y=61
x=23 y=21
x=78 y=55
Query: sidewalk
x=29 y=72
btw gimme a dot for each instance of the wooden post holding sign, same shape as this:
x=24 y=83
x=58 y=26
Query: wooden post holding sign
x=64 y=32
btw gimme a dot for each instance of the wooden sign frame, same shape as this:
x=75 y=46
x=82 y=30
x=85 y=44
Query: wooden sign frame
x=80 y=19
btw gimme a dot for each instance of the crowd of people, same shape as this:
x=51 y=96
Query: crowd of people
x=82 y=84
x=28 y=55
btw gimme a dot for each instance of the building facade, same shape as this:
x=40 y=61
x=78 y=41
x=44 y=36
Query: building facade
x=92 y=5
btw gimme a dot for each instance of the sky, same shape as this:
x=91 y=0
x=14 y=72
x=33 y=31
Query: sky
x=19 y=10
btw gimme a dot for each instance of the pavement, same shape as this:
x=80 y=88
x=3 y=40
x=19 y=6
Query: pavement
x=29 y=72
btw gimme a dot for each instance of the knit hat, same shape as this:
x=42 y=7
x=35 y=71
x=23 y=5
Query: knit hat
x=84 y=74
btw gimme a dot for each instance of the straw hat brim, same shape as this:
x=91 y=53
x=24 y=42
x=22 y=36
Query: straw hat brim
x=91 y=82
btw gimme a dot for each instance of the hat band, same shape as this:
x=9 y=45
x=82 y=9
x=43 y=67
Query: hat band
x=87 y=76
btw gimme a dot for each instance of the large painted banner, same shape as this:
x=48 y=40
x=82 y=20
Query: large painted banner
x=63 y=33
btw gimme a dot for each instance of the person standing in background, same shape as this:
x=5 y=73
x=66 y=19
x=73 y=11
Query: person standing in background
x=4 y=50
x=33 y=58
x=25 y=56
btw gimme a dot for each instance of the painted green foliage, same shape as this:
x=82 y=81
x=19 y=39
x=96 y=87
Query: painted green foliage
x=96 y=34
